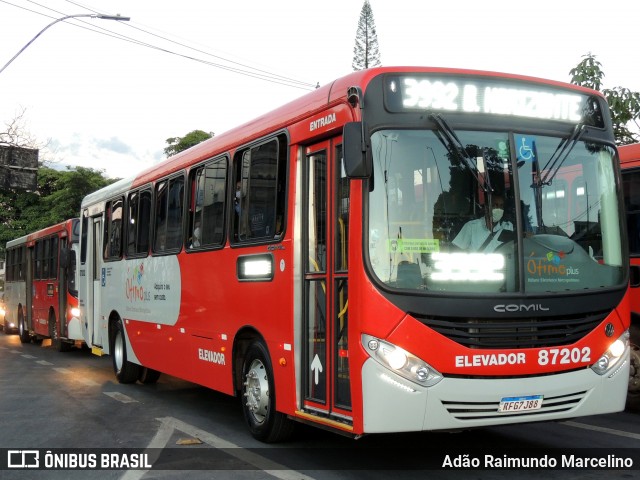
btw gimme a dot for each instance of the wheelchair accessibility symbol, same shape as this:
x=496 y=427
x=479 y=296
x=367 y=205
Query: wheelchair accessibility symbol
x=525 y=147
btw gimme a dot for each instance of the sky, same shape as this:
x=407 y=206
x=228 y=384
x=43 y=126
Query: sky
x=100 y=100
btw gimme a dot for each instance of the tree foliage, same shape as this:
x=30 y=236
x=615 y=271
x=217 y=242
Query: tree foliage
x=178 y=144
x=624 y=104
x=57 y=198
x=366 y=53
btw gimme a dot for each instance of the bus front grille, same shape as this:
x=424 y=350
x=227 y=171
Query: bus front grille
x=466 y=411
x=533 y=332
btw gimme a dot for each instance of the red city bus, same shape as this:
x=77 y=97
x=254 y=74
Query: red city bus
x=630 y=165
x=41 y=294
x=324 y=262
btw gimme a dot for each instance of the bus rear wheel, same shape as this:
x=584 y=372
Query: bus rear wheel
x=126 y=372
x=259 y=397
x=56 y=342
x=23 y=331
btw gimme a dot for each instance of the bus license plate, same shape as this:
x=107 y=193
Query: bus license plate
x=520 y=404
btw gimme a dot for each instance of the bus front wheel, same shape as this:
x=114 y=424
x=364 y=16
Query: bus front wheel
x=148 y=375
x=259 y=397
x=126 y=372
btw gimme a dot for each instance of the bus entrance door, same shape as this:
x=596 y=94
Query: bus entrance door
x=325 y=312
x=98 y=279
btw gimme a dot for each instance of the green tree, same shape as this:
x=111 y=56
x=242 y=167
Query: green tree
x=366 y=53
x=624 y=104
x=178 y=144
x=58 y=198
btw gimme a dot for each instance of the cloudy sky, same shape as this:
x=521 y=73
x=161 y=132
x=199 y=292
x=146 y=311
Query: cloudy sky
x=107 y=94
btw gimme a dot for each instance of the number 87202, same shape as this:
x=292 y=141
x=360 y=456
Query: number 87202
x=564 y=356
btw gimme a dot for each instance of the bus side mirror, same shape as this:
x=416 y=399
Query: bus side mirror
x=357 y=160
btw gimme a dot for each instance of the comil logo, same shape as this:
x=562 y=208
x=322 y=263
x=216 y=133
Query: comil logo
x=23 y=459
x=512 y=307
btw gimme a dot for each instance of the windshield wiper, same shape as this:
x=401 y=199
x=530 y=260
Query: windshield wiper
x=563 y=150
x=452 y=143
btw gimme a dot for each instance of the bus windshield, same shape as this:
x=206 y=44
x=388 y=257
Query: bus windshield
x=501 y=212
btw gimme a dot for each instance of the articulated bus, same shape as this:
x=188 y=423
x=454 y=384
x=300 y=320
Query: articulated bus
x=41 y=294
x=311 y=261
x=630 y=164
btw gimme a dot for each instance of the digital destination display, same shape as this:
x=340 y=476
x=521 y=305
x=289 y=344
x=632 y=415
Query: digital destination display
x=490 y=96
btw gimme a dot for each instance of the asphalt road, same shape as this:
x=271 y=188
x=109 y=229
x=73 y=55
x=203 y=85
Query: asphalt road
x=70 y=405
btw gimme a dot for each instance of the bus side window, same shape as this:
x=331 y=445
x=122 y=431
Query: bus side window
x=113 y=229
x=259 y=204
x=208 y=196
x=53 y=257
x=138 y=221
x=39 y=253
x=168 y=213
x=132 y=222
x=144 y=223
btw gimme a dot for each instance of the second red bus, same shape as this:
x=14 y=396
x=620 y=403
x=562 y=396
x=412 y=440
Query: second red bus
x=41 y=295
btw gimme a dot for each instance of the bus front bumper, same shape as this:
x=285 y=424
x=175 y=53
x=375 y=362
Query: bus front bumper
x=393 y=404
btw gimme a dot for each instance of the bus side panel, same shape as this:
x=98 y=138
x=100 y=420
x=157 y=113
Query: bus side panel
x=232 y=305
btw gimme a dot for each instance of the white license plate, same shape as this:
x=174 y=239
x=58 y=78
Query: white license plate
x=520 y=404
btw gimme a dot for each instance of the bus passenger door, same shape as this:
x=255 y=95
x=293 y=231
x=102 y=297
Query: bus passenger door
x=97 y=275
x=325 y=214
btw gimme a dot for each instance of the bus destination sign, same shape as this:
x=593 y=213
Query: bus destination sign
x=489 y=96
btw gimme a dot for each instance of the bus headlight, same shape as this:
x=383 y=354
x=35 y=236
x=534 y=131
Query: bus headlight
x=616 y=351
x=401 y=362
x=74 y=311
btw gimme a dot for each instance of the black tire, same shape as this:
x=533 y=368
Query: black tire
x=259 y=397
x=56 y=342
x=125 y=371
x=149 y=375
x=23 y=331
x=5 y=328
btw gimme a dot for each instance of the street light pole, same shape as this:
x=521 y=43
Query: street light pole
x=91 y=15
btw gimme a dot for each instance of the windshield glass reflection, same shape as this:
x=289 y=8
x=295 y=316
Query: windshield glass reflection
x=447 y=219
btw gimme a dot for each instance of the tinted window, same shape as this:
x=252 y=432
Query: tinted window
x=113 y=229
x=169 y=207
x=206 y=214
x=260 y=194
x=138 y=223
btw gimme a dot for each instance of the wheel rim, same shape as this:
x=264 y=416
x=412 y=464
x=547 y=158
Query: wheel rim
x=118 y=351
x=257 y=391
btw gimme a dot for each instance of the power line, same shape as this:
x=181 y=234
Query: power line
x=258 y=74
x=288 y=79
x=267 y=76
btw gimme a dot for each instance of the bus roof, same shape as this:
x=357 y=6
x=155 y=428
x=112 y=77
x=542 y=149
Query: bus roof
x=629 y=153
x=288 y=114
x=65 y=226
